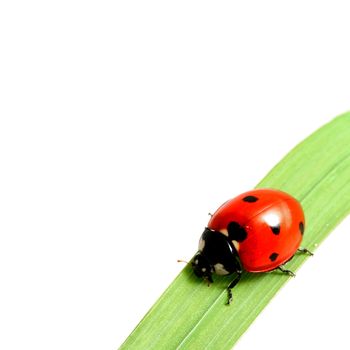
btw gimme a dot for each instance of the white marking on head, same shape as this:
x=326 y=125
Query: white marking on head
x=196 y=261
x=204 y=269
x=201 y=244
x=220 y=269
x=236 y=245
x=224 y=232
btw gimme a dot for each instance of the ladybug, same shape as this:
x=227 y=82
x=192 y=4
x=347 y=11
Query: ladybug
x=257 y=231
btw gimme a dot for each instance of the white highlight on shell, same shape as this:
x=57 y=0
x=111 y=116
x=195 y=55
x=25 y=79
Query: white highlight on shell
x=272 y=219
x=220 y=269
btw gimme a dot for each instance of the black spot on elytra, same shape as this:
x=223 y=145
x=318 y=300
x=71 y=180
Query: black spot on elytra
x=301 y=227
x=250 y=199
x=275 y=229
x=236 y=232
x=273 y=256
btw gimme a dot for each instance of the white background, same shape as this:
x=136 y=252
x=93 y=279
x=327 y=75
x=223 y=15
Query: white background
x=122 y=125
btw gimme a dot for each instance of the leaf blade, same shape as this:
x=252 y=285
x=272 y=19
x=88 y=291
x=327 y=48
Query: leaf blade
x=190 y=316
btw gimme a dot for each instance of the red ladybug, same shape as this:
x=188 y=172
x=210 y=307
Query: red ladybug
x=257 y=231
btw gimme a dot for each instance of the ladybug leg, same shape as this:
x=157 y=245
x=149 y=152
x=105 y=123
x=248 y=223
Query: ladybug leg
x=287 y=272
x=305 y=251
x=232 y=285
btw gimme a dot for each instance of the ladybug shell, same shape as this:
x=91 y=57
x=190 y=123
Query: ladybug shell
x=265 y=226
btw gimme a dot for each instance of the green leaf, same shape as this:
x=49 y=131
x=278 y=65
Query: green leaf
x=191 y=316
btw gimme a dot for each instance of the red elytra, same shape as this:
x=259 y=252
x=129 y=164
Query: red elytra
x=274 y=224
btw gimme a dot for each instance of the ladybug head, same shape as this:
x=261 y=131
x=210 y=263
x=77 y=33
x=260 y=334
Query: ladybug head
x=202 y=268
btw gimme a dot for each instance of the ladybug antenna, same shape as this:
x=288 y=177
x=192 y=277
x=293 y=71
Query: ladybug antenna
x=186 y=262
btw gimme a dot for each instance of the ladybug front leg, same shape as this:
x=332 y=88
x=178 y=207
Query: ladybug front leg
x=232 y=285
